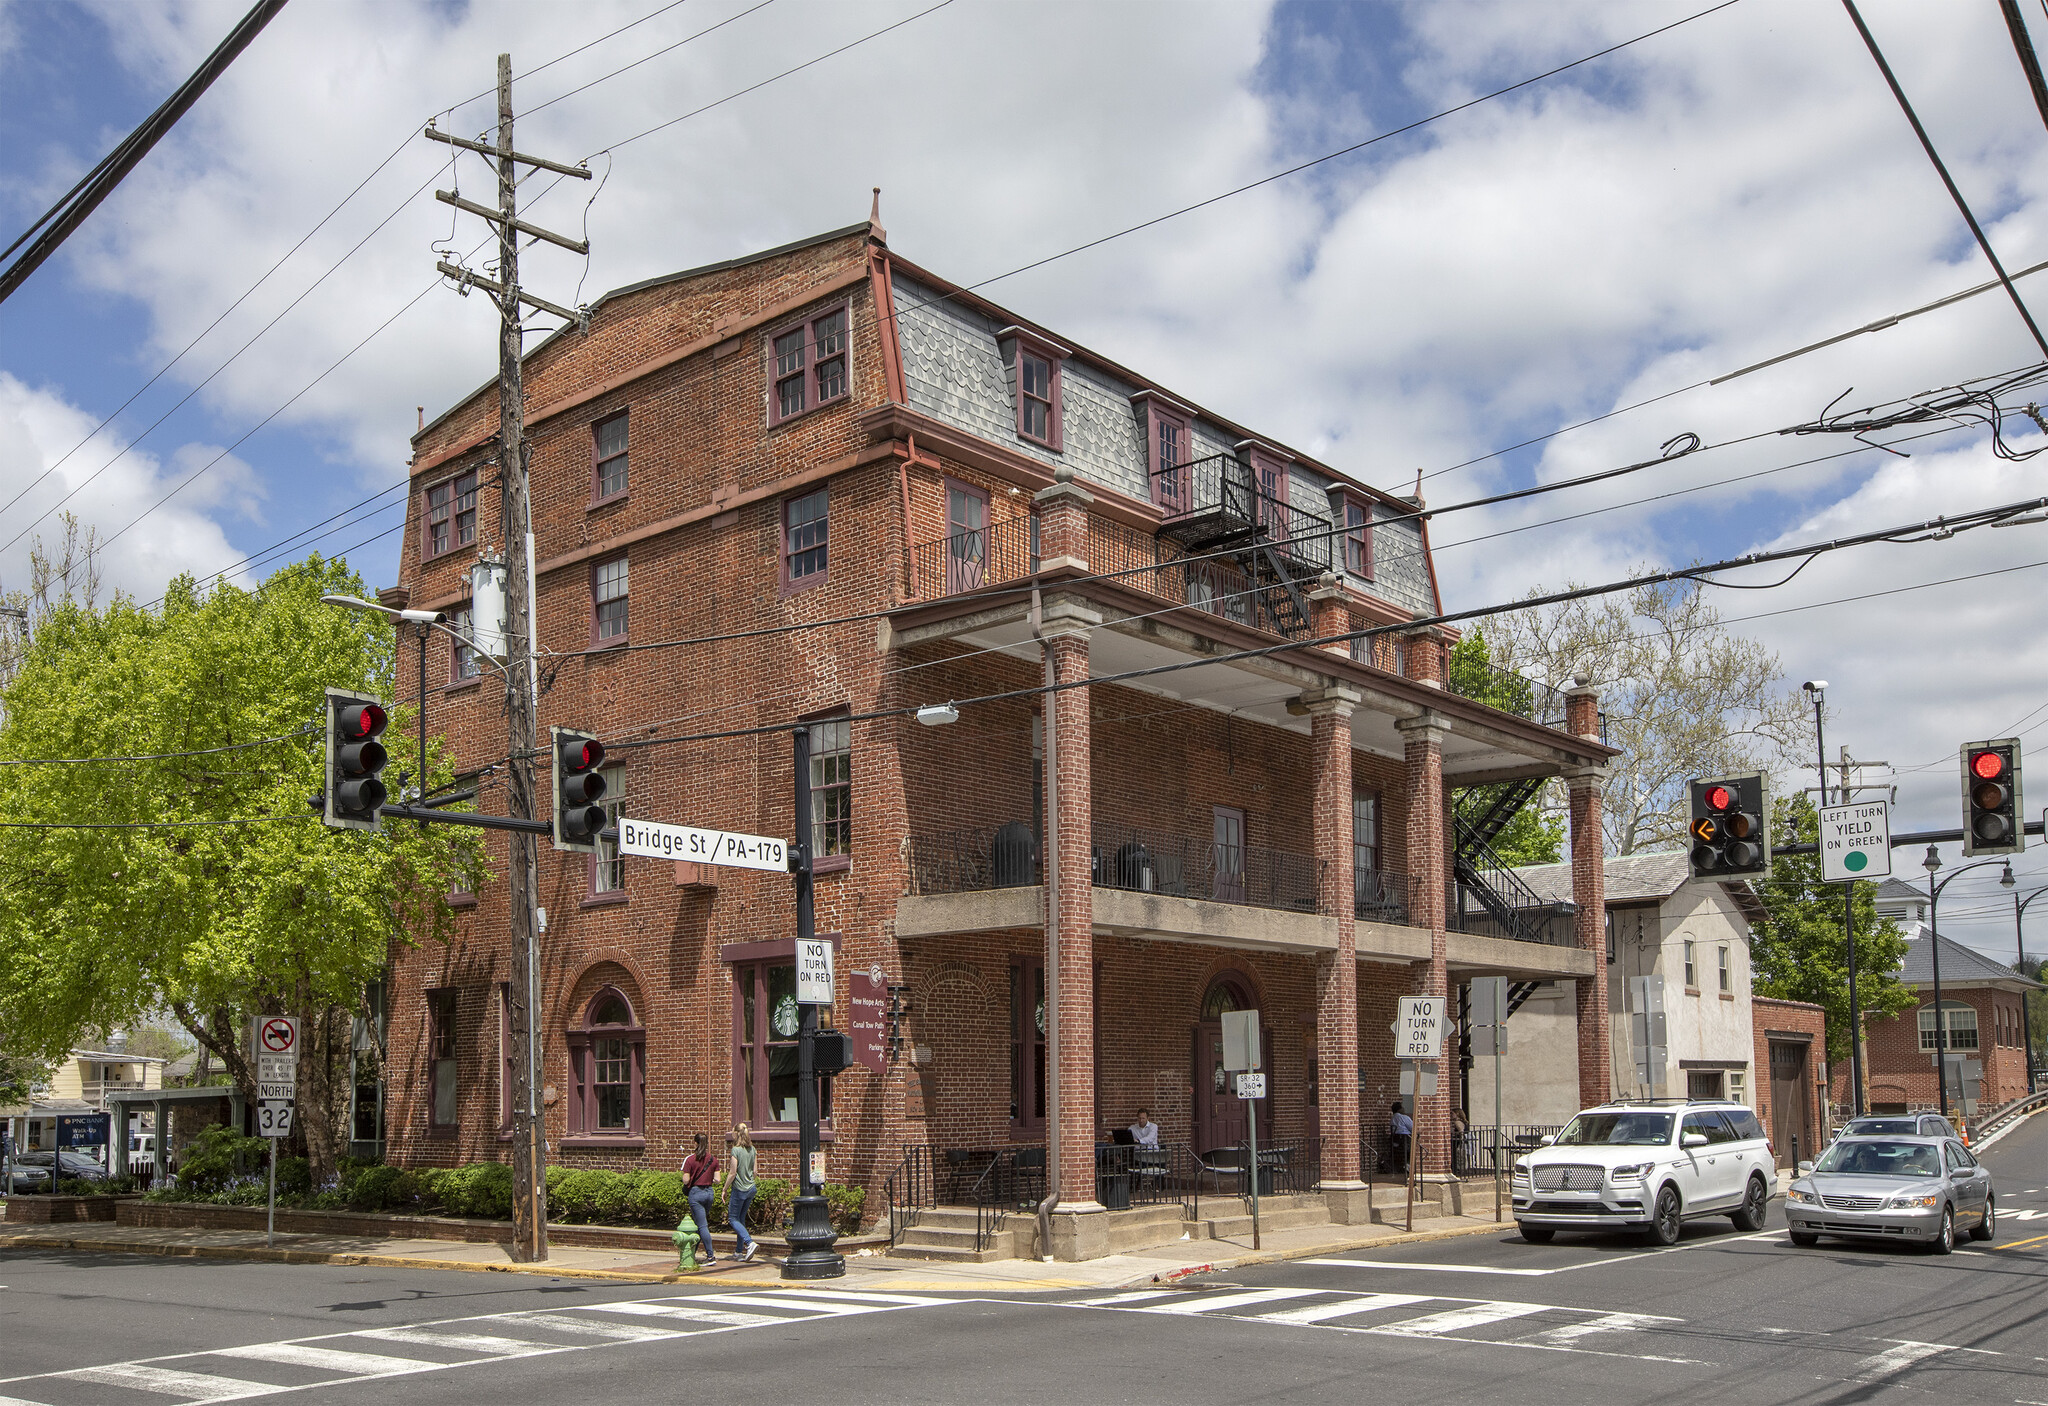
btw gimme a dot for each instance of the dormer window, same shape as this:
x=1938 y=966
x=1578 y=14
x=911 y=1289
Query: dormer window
x=1355 y=513
x=1035 y=375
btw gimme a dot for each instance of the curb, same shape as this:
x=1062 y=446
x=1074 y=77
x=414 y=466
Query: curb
x=274 y=1256
x=1259 y=1257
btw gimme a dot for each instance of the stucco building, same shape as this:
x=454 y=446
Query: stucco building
x=821 y=486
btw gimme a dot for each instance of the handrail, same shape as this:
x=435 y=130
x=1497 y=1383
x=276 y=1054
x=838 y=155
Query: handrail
x=2005 y=1113
x=911 y=1191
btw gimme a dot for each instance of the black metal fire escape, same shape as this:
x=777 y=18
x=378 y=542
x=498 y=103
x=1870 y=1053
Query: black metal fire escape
x=1271 y=551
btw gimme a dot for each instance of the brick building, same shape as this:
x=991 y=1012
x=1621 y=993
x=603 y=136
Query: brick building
x=913 y=496
x=1792 y=1062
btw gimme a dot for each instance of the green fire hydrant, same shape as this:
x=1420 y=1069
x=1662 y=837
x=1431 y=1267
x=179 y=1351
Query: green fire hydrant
x=686 y=1246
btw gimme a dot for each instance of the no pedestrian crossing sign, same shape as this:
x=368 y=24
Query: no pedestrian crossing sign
x=1855 y=842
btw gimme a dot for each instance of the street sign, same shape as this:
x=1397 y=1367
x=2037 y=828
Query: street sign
x=277 y=1090
x=814 y=972
x=1489 y=1000
x=1251 y=1086
x=1418 y=1081
x=277 y=1035
x=1419 y=1029
x=818 y=1167
x=274 y=1118
x=1855 y=842
x=1240 y=1041
x=651 y=839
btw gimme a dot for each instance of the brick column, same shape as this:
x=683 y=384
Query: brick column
x=1330 y=612
x=1427 y=660
x=1070 y=932
x=1330 y=712
x=1589 y=891
x=1063 y=521
x=1428 y=907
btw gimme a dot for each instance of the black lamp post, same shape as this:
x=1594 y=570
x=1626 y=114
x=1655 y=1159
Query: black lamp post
x=1931 y=864
x=2019 y=908
x=811 y=1255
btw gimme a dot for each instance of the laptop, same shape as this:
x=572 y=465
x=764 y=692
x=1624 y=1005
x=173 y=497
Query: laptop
x=1122 y=1137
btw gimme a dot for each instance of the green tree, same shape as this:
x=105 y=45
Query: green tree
x=1797 y=951
x=227 y=898
x=1530 y=836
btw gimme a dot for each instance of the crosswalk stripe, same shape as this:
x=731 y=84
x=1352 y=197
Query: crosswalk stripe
x=820 y=1307
x=597 y=1328
x=165 y=1381
x=1478 y=1315
x=1134 y=1296
x=1358 y=1303
x=1894 y=1359
x=1571 y=1333
x=1212 y=1303
x=860 y=1296
x=487 y=1344
x=325 y=1359
x=685 y=1313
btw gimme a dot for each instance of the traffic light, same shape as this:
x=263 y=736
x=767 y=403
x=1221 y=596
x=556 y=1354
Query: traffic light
x=353 y=795
x=1991 y=798
x=1729 y=837
x=832 y=1052
x=578 y=789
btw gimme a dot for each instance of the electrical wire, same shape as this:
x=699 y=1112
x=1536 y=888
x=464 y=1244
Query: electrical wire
x=648 y=58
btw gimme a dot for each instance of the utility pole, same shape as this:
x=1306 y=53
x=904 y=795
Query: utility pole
x=529 y=1143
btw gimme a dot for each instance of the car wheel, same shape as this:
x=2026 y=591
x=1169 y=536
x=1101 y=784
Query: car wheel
x=1945 y=1239
x=1666 y=1223
x=1987 y=1227
x=1805 y=1239
x=1536 y=1234
x=1755 y=1202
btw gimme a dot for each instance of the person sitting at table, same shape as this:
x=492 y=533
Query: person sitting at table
x=1145 y=1132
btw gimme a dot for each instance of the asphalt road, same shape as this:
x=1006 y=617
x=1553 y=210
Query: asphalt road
x=1481 y=1320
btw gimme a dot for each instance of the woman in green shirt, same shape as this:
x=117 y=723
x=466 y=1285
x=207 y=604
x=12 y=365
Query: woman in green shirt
x=739 y=1188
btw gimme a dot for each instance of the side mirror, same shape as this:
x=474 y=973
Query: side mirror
x=1804 y=1168
x=1693 y=1140
x=1546 y=1139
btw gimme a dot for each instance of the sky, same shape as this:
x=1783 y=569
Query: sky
x=254 y=315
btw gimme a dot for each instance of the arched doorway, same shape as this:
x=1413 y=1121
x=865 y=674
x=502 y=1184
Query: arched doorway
x=1219 y=1115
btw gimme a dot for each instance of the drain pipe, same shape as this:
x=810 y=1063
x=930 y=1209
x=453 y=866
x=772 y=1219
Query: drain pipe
x=1050 y=857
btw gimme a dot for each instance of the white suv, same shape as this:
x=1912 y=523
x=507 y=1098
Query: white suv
x=1647 y=1166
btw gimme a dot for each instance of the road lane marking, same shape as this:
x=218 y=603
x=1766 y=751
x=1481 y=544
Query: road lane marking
x=1437 y=1268
x=485 y=1344
x=165 y=1381
x=597 y=1328
x=325 y=1359
x=1777 y=1235
x=1214 y=1303
x=822 y=1308
x=1453 y=1320
x=1361 y=1303
x=1571 y=1333
x=1894 y=1360
x=1134 y=1296
x=684 y=1313
x=2020 y=1244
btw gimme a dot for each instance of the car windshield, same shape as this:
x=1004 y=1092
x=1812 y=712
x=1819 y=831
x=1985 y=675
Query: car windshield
x=1882 y=1127
x=1881 y=1159
x=1616 y=1130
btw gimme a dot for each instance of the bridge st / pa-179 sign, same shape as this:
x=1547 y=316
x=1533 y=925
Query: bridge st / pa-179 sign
x=650 y=839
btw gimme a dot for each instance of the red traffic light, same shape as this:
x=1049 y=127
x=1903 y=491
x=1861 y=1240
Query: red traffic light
x=582 y=753
x=1719 y=798
x=359 y=721
x=1987 y=765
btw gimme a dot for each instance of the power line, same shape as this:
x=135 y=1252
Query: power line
x=647 y=58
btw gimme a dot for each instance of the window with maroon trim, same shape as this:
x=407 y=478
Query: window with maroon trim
x=505 y=1057
x=441 y=1067
x=1038 y=384
x=1365 y=850
x=1027 y=1046
x=809 y=365
x=831 y=789
x=1170 y=447
x=450 y=515
x=608 y=455
x=1228 y=853
x=463 y=661
x=765 y=1021
x=1270 y=476
x=608 y=596
x=805 y=528
x=607 y=867
x=607 y=1070
x=1358 y=538
x=966 y=537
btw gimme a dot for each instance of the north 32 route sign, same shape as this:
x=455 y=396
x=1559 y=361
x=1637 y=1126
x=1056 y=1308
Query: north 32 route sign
x=273 y=1119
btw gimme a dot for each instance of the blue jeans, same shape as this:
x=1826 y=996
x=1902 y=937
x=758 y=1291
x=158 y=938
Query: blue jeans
x=700 y=1212
x=736 y=1206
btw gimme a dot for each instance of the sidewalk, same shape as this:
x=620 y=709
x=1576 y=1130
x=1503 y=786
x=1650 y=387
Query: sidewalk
x=866 y=1268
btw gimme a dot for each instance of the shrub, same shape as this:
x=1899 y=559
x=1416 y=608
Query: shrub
x=294 y=1177
x=592 y=1195
x=380 y=1188
x=482 y=1189
x=662 y=1197
x=217 y=1157
x=845 y=1204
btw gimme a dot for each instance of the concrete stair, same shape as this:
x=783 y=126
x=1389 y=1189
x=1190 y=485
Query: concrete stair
x=1275 y=1213
x=947 y=1233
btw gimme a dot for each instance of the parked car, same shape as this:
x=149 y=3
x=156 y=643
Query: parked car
x=1898 y=1125
x=1646 y=1167
x=1912 y=1189
x=34 y=1170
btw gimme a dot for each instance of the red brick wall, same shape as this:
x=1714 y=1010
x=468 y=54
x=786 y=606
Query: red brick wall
x=1767 y=1016
x=1898 y=1071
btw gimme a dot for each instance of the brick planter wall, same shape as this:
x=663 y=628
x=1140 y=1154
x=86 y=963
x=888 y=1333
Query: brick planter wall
x=58 y=1210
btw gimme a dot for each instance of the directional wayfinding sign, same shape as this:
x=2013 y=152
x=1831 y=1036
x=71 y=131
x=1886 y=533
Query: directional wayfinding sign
x=1419 y=1028
x=651 y=839
x=1251 y=1086
x=814 y=972
x=1855 y=842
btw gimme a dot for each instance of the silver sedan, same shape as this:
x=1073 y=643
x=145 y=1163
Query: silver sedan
x=1917 y=1189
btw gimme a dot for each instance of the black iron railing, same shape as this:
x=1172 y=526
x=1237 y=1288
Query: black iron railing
x=973 y=858
x=1472 y=1151
x=912 y=1189
x=1151 y=1176
x=1222 y=494
x=1382 y=895
x=968 y=558
x=1488 y=898
x=1511 y=693
x=1144 y=860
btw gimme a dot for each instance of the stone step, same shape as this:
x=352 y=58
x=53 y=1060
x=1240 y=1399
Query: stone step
x=953 y=1236
x=954 y=1254
x=1238 y=1227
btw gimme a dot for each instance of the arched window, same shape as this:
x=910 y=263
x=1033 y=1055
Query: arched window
x=1961 y=1021
x=1226 y=993
x=608 y=1069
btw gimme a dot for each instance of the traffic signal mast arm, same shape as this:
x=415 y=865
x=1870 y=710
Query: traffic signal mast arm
x=1917 y=837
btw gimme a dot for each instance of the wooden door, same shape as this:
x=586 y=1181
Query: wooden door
x=1220 y=1120
x=1228 y=855
x=1791 y=1103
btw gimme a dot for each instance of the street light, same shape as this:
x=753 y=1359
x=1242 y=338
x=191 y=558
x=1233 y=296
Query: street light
x=2019 y=908
x=1932 y=863
x=1818 y=688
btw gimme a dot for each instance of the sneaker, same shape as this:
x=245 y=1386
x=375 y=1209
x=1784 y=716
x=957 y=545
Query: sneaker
x=748 y=1257
x=707 y=1261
